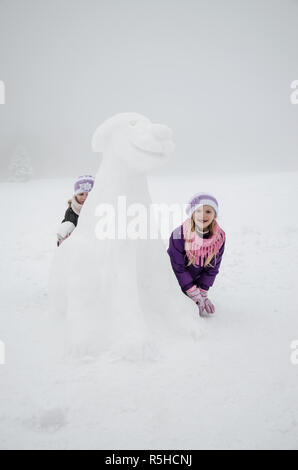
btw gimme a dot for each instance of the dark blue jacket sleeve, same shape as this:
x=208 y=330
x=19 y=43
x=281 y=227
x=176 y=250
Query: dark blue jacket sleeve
x=209 y=274
x=176 y=251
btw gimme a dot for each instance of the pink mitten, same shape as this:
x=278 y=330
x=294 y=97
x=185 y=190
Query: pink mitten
x=208 y=305
x=195 y=294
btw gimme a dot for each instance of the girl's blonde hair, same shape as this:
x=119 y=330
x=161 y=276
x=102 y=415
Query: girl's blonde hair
x=211 y=230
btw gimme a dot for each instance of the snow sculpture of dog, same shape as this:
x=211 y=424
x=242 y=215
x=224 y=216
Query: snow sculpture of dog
x=121 y=292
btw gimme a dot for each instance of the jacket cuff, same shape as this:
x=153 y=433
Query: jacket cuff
x=203 y=286
x=187 y=287
x=65 y=229
x=193 y=288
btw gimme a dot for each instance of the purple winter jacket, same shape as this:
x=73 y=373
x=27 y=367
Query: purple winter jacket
x=191 y=275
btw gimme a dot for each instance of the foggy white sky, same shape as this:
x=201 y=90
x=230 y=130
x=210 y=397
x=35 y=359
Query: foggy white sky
x=217 y=72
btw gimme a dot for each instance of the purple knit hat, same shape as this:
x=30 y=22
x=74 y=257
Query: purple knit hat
x=200 y=199
x=84 y=184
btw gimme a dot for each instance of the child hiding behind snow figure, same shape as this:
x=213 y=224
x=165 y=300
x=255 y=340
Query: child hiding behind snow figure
x=196 y=249
x=82 y=187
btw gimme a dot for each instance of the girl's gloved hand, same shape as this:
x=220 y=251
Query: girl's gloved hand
x=195 y=295
x=60 y=240
x=208 y=305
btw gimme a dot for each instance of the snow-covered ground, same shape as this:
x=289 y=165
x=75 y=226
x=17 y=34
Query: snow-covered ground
x=234 y=388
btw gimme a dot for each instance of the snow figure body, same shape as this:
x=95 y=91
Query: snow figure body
x=119 y=291
x=196 y=249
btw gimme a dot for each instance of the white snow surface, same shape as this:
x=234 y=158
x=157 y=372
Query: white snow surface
x=233 y=386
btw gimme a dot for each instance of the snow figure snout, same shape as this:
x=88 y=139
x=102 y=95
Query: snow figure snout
x=156 y=139
x=135 y=140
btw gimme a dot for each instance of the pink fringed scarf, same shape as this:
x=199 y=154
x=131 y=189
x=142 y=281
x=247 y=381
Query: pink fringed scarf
x=197 y=248
x=76 y=206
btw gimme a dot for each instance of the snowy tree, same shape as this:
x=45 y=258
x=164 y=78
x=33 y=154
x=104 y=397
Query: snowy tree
x=20 y=169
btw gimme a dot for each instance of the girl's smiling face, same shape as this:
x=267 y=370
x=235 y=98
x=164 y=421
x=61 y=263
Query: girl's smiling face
x=81 y=198
x=203 y=216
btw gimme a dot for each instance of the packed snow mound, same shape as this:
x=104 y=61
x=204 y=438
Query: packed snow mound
x=119 y=293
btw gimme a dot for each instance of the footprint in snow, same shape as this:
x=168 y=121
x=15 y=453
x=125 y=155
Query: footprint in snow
x=48 y=421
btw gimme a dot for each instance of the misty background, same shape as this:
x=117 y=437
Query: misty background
x=219 y=73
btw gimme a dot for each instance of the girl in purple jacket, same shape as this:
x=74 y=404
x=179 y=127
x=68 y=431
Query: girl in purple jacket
x=196 y=249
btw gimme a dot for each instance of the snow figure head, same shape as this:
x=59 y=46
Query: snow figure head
x=134 y=140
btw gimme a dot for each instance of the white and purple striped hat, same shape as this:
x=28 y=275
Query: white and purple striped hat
x=84 y=184
x=200 y=199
